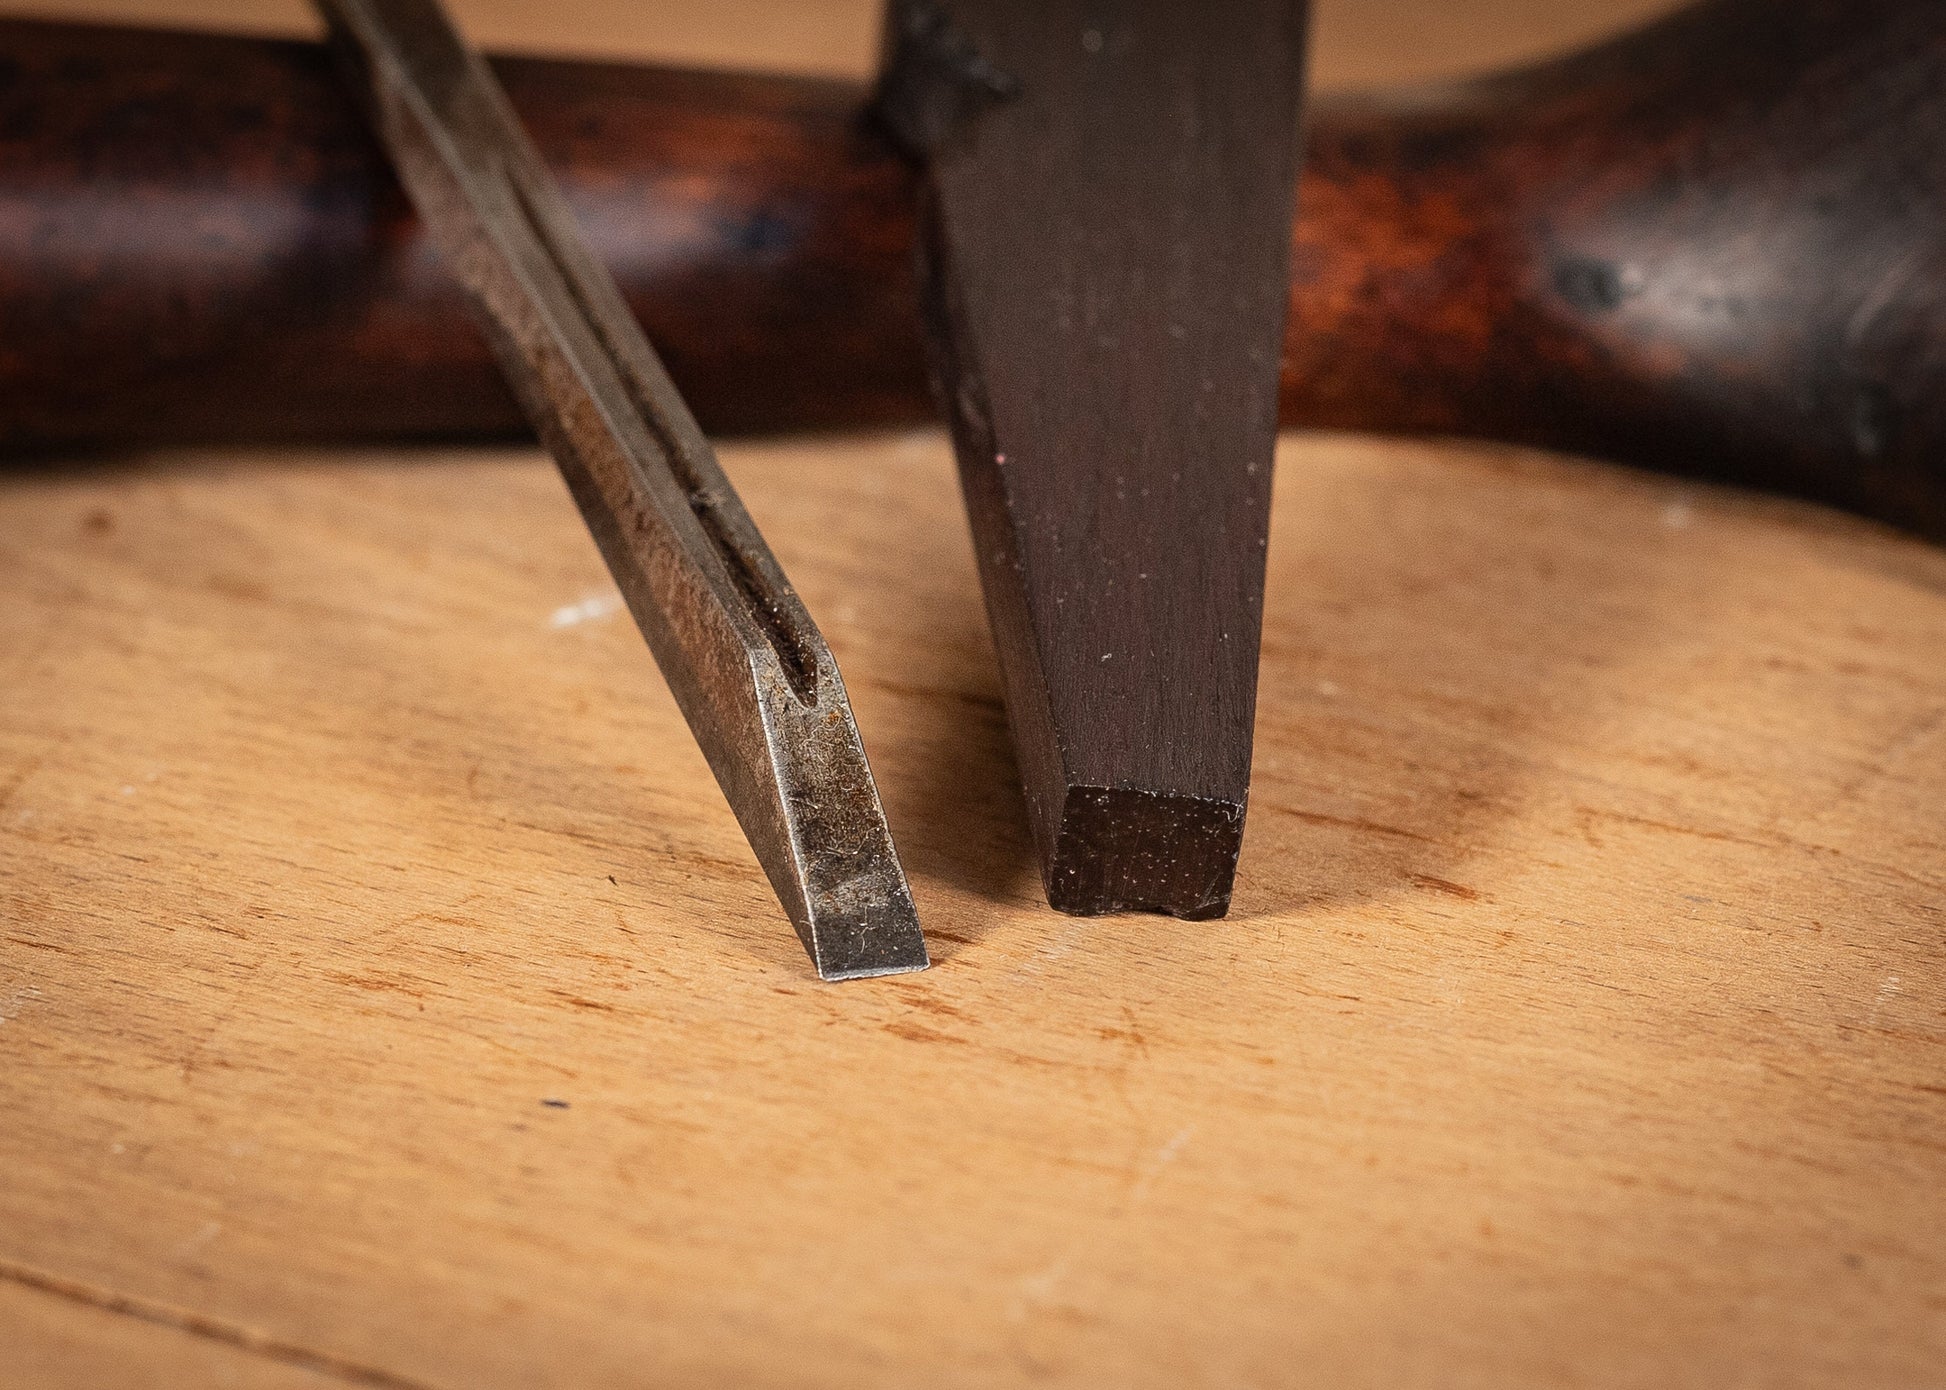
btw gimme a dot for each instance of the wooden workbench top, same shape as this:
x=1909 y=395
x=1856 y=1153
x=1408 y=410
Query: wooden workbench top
x=388 y=997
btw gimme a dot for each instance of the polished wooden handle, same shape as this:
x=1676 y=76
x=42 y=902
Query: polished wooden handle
x=1714 y=247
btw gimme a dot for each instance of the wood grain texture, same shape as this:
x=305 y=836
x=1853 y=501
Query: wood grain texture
x=1580 y=1019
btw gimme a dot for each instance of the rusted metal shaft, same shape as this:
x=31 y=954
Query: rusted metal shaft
x=749 y=669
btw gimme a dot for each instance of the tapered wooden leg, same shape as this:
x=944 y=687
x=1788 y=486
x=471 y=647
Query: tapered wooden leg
x=1109 y=195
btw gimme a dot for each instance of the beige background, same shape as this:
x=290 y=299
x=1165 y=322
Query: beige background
x=1580 y=1021
x=1356 y=41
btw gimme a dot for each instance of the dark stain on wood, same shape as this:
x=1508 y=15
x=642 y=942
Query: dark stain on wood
x=918 y=1032
x=1446 y=886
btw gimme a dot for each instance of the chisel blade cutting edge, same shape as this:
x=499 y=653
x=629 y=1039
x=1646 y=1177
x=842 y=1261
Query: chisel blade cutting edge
x=749 y=669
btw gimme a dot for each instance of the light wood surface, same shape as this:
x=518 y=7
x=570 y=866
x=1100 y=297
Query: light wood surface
x=1354 y=41
x=387 y=996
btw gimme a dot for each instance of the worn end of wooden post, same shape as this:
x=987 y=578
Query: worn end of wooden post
x=1124 y=849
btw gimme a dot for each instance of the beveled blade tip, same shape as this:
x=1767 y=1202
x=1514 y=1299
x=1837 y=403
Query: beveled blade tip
x=882 y=939
x=873 y=972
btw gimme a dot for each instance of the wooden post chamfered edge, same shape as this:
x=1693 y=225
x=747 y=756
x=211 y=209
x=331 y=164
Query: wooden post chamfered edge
x=1108 y=196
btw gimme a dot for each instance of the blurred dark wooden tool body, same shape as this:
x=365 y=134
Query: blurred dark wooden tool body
x=1714 y=247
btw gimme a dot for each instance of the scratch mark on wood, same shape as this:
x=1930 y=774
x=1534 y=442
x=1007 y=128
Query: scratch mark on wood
x=245 y=1339
x=11 y=1006
x=1162 y=1158
x=1351 y=823
x=590 y=609
x=918 y=1032
x=577 y=1001
x=12 y=785
x=1446 y=886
